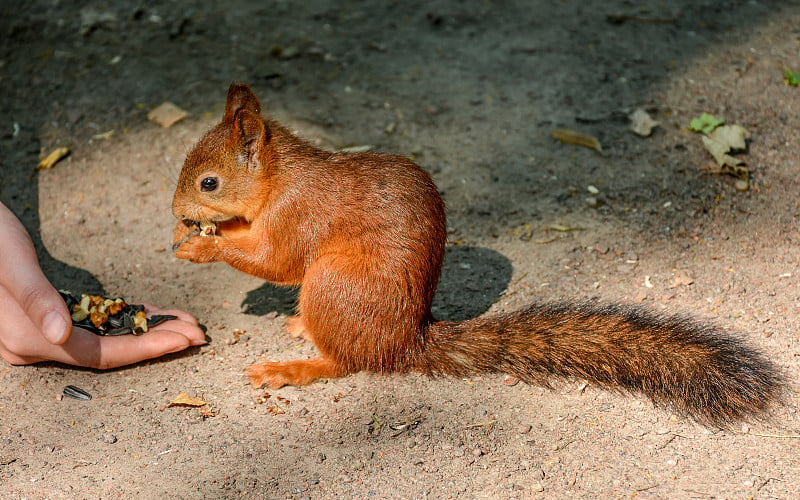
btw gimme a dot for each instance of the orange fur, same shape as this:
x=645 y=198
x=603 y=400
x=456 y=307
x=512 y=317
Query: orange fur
x=364 y=235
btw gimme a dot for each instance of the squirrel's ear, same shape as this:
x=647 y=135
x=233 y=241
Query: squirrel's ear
x=240 y=96
x=251 y=134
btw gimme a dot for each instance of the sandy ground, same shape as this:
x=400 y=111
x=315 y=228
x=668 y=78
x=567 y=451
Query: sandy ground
x=472 y=90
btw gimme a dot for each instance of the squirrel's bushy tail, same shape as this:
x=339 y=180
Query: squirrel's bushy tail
x=677 y=362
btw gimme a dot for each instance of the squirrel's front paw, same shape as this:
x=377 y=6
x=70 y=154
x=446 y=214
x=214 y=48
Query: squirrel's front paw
x=199 y=249
x=183 y=231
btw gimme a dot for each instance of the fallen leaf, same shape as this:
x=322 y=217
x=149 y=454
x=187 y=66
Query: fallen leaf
x=577 y=138
x=719 y=151
x=791 y=78
x=733 y=135
x=723 y=141
x=53 y=158
x=275 y=409
x=206 y=411
x=641 y=123
x=705 y=123
x=184 y=399
x=167 y=114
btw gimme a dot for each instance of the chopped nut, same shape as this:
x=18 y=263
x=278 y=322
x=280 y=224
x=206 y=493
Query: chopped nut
x=98 y=317
x=79 y=314
x=207 y=228
x=81 y=311
x=140 y=323
x=115 y=306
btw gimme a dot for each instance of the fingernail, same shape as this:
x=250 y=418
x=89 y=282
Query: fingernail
x=54 y=327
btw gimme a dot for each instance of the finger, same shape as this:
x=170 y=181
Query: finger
x=87 y=349
x=23 y=279
x=186 y=324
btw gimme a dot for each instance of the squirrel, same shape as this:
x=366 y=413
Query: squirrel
x=363 y=235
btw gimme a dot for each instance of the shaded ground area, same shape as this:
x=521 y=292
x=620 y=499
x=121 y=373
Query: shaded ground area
x=472 y=90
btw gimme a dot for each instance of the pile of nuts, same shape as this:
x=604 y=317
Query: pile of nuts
x=106 y=316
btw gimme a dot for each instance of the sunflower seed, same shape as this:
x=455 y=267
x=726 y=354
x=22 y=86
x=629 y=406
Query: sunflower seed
x=74 y=392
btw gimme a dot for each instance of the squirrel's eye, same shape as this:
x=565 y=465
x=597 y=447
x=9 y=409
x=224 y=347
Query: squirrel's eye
x=209 y=184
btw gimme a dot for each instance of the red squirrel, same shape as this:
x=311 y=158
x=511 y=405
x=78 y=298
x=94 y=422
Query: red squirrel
x=363 y=235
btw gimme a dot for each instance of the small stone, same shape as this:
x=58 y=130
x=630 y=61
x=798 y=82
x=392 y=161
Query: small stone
x=592 y=202
x=742 y=185
x=109 y=438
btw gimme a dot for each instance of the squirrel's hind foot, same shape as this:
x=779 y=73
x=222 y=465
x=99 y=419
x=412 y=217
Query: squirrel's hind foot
x=302 y=372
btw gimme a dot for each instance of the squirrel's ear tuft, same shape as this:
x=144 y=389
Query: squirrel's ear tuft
x=251 y=134
x=240 y=96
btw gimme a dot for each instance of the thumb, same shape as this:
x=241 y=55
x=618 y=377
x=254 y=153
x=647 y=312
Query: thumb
x=41 y=302
x=21 y=275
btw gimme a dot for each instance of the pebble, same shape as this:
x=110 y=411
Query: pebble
x=109 y=438
x=742 y=185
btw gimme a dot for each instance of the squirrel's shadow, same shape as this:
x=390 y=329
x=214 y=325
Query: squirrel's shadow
x=472 y=280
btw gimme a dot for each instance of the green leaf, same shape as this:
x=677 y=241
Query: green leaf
x=791 y=78
x=705 y=123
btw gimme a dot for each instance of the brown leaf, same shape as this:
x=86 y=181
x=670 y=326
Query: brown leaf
x=167 y=115
x=184 y=399
x=53 y=158
x=641 y=123
x=577 y=138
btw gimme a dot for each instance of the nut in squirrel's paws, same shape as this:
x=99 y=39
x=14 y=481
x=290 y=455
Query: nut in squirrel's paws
x=185 y=229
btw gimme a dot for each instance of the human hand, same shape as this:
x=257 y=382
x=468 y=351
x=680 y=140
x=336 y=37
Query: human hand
x=36 y=326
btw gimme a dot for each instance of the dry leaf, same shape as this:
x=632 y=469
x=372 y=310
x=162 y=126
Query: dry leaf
x=53 y=158
x=275 y=409
x=732 y=135
x=719 y=151
x=641 y=123
x=721 y=142
x=184 y=399
x=167 y=115
x=577 y=138
x=206 y=411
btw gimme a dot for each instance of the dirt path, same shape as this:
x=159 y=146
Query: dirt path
x=472 y=90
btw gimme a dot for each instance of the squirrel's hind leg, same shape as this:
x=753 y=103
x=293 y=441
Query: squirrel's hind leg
x=301 y=372
x=297 y=329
